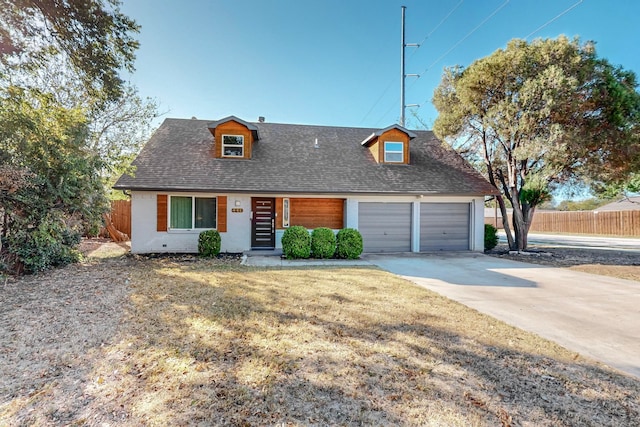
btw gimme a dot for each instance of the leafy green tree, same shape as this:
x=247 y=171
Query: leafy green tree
x=69 y=124
x=618 y=189
x=57 y=190
x=537 y=114
x=95 y=37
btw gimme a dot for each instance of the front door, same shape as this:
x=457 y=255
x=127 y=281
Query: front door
x=263 y=223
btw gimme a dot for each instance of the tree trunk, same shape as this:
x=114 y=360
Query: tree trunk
x=519 y=223
x=505 y=222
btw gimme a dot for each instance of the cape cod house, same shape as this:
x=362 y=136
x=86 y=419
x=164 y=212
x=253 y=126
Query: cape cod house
x=403 y=190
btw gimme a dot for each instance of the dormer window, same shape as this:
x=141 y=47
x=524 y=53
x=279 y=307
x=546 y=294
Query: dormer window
x=390 y=145
x=232 y=146
x=393 y=152
x=233 y=138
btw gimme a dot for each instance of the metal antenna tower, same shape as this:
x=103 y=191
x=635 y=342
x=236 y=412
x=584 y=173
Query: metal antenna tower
x=403 y=76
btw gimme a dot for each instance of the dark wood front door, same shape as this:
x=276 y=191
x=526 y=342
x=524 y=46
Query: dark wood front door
x=263 y=223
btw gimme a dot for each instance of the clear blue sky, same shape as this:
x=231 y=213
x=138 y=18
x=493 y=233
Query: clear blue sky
x=337 y=62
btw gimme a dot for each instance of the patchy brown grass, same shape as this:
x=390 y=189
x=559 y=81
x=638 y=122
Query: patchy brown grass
x=204 y=342
x=629 y=272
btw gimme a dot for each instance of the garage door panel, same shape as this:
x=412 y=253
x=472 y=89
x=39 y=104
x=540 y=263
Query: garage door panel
x=444 y=226
x=385 y=227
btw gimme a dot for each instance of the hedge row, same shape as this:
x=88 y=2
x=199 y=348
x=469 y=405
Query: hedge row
x=297 y=243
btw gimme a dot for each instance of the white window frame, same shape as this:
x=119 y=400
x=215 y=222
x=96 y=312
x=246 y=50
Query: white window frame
x=387 y=151
x=286 y=206
x=193 y=213
x=232 y=145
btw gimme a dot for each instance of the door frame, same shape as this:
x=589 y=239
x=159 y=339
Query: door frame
x=272 y=241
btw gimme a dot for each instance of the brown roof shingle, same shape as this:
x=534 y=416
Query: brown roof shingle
x=179 y=157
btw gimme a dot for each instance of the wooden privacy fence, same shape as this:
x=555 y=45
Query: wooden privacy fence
x=121 y=216
x=611 y=223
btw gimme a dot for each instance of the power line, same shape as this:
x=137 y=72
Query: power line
x=377 y=101
x=437 y=26
x=441 y=57
x=554 y=18
x=414 y=52
x=530 y=34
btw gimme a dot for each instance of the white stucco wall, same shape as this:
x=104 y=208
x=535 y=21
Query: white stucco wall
x=145 y=238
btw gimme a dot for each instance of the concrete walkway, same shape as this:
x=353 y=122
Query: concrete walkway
x=596 y=316
x=275 y=260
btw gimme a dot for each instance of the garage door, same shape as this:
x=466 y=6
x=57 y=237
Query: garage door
x=444 y=226
x=385 y=227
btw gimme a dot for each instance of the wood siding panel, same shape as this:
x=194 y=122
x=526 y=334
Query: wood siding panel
x=222 y=214
x=233 y=128
x=162 y=209
x=375 y=151
x=314 y=213
x=279 y=213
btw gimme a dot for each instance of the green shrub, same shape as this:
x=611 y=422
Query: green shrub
x=490 y=237
x=50 y=243
x=296 y=243
x=323 y=242
x=209 y=243
x=348 y=243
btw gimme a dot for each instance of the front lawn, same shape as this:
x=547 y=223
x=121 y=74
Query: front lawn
x=203 y=342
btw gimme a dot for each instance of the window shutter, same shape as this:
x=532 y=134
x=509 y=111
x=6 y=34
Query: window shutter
x=161 y=212
x=222 y=214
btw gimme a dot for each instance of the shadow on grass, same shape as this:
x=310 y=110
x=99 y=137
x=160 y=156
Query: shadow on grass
x=338 y=346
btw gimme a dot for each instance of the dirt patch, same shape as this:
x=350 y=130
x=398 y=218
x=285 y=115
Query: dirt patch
x=127 y=340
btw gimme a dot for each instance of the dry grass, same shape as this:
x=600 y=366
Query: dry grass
x=205 y=343
x=629 y=272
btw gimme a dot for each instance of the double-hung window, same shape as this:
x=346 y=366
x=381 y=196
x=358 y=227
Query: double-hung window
x=232 y=146
x=393 y=152
x=191 y=212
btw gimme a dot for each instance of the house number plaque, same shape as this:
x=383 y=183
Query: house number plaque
x=237 y=210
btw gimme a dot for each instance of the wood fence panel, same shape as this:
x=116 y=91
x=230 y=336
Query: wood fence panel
x=606 y=223
x=121 y=216
x=609 y=223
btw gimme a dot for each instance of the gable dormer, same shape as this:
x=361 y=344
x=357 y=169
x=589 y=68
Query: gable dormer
x=390 y=145
x=233 y=138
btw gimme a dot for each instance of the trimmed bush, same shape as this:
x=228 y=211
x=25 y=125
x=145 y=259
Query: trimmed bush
x=209 y=243
x=296 y=243
x=348 y=243
x=323 y=242
x=490 y=237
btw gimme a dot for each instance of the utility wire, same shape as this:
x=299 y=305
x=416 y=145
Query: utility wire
x=441 y=57
x=530 y=34
x=414 y=52
x=436 y=27
x=554 y=18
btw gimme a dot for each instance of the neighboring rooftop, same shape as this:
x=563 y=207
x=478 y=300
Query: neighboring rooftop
x=179 y=157
x=626 y=204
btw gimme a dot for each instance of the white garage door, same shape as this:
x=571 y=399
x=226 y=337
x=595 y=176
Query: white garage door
x=385 y=227
x=444 y=226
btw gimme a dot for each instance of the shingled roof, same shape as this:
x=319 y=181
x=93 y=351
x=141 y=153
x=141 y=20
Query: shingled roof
x=179 y=157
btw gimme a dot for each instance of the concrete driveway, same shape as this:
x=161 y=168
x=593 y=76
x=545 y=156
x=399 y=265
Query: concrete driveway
x=596 y=316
